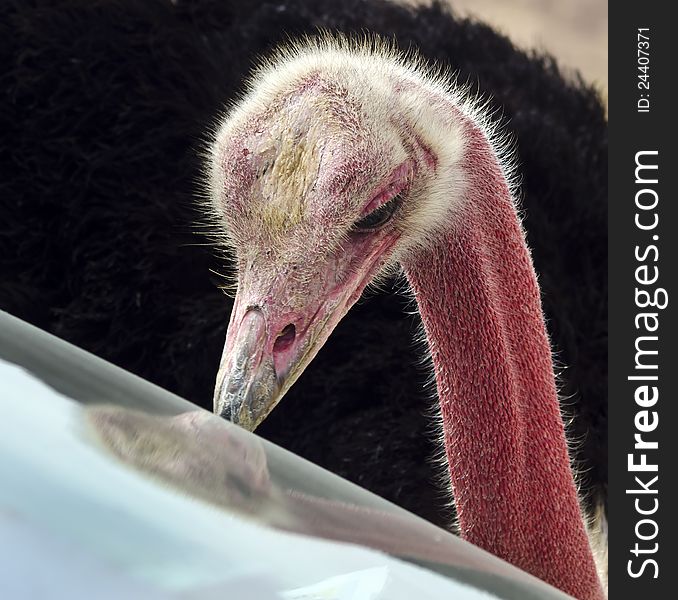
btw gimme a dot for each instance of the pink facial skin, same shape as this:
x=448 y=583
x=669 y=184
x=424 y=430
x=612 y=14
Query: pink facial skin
x=395 y=184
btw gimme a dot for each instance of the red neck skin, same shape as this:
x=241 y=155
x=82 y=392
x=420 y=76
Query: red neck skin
x=504 y=436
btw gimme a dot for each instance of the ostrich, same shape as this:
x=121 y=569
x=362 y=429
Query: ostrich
x=104 y=108
x=342 y=160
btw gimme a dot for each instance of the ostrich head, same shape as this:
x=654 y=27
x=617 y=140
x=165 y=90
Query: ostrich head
x=335 y=166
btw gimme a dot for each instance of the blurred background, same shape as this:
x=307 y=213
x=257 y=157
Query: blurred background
x=574 y=31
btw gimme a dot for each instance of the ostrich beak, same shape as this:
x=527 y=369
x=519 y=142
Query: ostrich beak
x=267 y=348
x=246 y=381
x=273 y=336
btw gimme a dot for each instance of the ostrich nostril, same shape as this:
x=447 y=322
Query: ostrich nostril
x=285 y=339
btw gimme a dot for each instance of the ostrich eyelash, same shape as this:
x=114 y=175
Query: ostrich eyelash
x=379 y=216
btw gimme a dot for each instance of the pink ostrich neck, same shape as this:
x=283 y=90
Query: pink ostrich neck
x=504 y=437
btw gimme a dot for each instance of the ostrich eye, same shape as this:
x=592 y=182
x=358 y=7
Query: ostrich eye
x=379 y=216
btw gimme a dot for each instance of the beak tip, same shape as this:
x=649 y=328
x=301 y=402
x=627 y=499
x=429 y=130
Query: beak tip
x=238 y=414
x=224 y=412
